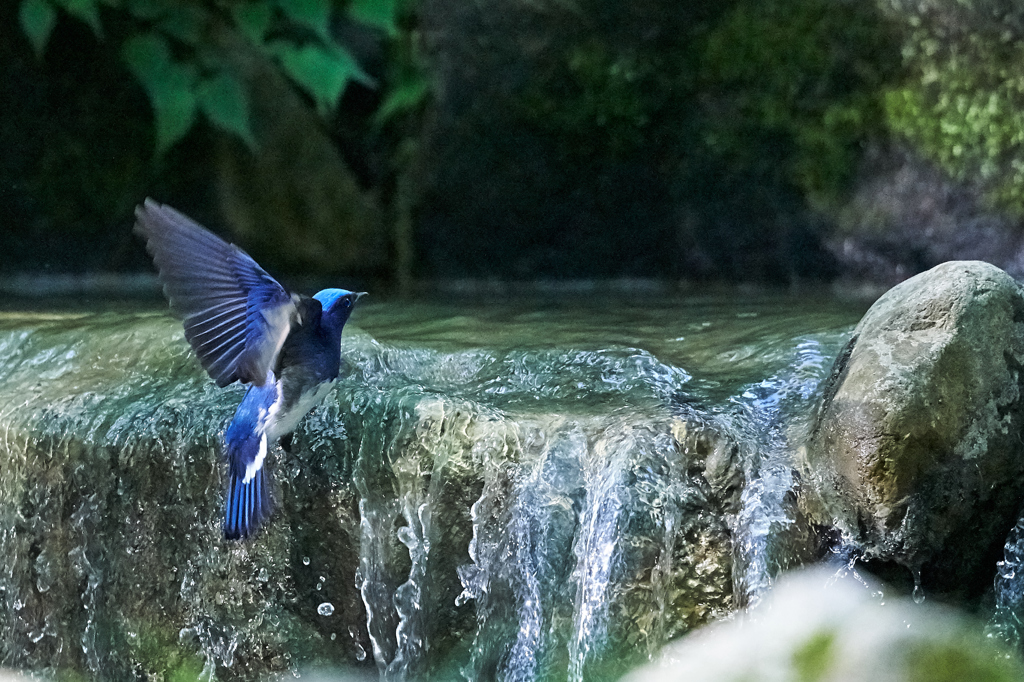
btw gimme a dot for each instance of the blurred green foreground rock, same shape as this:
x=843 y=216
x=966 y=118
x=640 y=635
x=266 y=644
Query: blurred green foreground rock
x=820 y=626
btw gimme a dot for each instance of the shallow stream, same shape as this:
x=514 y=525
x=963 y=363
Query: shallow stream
x=542 y=489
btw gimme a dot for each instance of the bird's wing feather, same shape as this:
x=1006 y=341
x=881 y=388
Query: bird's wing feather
x=308 y=314
x=236 y=316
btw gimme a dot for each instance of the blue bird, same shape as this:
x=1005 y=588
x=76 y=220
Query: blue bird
x=244 y=326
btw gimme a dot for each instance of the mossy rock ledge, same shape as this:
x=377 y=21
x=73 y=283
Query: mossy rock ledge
x=916 y=455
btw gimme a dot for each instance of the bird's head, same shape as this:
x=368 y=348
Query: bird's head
x=337 y=304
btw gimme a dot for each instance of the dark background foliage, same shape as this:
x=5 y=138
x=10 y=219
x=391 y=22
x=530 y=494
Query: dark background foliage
x=772 y=140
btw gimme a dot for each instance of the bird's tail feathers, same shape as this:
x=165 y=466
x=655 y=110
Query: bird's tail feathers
x=249 y=500
x=249 y=505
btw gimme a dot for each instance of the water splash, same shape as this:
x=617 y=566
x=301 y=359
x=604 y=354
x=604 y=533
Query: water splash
x=556 y=544
x=1007 y=621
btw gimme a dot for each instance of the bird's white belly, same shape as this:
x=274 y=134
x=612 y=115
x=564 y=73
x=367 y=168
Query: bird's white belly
x=281 y=422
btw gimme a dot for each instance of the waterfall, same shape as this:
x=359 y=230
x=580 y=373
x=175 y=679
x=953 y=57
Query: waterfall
x=773 y=417
x=482 y=511
x=1007 y=621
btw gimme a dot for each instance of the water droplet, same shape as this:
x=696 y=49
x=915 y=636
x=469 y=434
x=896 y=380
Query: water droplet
x=360 y=652
x=305 y=561
x=263 y=576
x=325 y=609
x=407 y=537
x=918 y=594
x=334 y=636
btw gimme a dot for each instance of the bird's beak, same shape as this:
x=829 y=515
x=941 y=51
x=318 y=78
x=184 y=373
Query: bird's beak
x=359 y=295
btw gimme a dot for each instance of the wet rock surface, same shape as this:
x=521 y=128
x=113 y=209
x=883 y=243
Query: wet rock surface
x=906 y=215
x=916 y=453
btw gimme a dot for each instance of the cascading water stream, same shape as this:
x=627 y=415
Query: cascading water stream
x=773 y=417
x=493 y=504
x=580 y=485
x=1007 y=621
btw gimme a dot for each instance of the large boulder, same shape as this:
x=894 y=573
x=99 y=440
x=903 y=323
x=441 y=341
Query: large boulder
x=916 y=453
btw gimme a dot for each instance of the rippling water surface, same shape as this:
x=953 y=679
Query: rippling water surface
x=723 y=341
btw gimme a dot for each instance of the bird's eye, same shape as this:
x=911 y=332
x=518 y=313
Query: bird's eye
x=345 y=302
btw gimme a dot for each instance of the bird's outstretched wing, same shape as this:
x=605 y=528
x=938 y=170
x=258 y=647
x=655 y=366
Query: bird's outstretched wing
x=236 y=316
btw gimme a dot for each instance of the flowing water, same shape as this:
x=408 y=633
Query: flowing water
x=540 y=489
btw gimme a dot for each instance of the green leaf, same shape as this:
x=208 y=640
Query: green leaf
x=322 y=71
x=38 y=18
x=174 y=106
x=86 y=11
x=313 y=14
x=186 y=23
x=148 y=57
x=170 y=87
x=252 y=19
x=222 y=98
x=149 y=10
x=356 y=72
x=408 y=95
x=382 y=14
